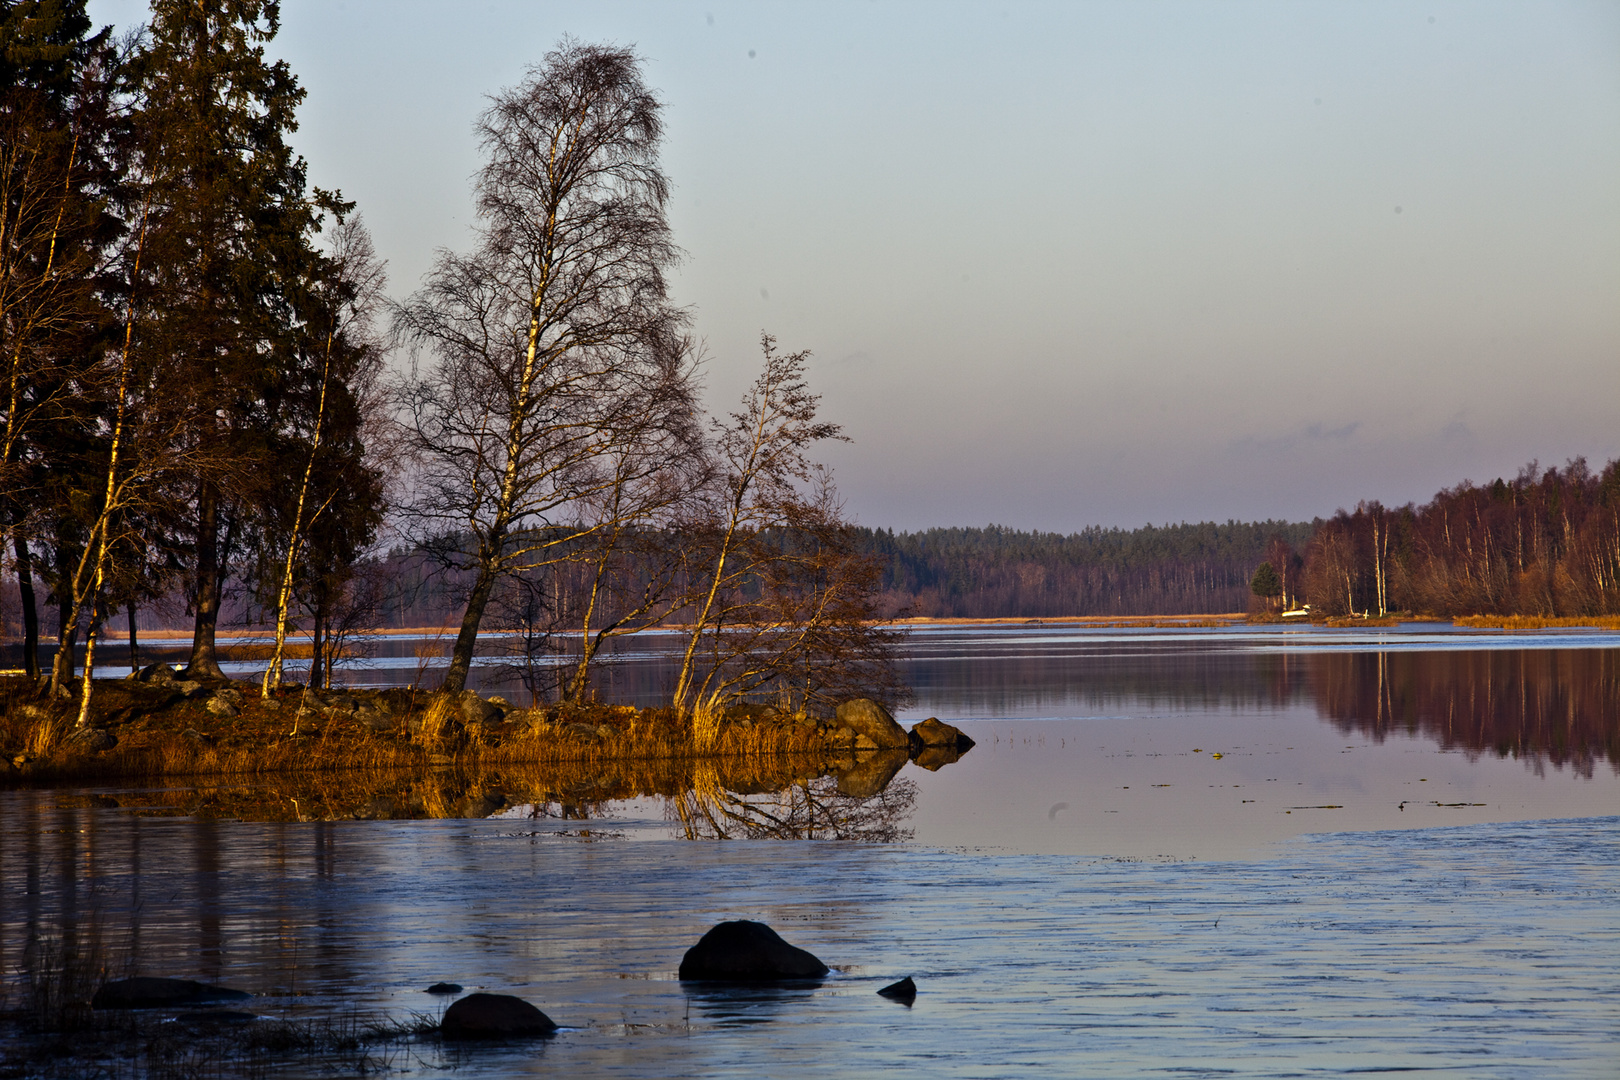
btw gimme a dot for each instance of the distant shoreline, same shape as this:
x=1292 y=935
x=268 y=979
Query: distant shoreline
x=1470 y=622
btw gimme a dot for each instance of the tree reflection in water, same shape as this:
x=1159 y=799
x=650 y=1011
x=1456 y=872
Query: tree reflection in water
x=862 y=801
x=1557 y=705
x=846 y=797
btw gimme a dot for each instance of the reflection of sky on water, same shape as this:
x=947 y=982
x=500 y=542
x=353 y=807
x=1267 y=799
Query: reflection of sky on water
x=1477 y=951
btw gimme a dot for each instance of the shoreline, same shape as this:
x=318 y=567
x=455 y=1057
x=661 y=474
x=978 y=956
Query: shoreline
x=1202 y=621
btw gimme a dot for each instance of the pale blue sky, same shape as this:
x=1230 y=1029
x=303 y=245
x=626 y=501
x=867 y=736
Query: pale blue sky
x=1072 y=264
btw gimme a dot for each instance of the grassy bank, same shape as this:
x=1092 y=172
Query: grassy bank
x=149 y=731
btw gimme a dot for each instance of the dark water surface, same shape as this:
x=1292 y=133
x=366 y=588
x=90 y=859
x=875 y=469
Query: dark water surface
x=1406 y=858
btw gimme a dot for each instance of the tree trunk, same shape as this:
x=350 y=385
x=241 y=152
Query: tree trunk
x=317 y=643
x=67 y=626
x=134 y=646
x=455 y=680
x=204 y=660
x=30 y=607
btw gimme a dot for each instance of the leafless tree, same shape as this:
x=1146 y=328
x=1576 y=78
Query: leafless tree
x=548 y=341
x=348 y=300
x=780 y=601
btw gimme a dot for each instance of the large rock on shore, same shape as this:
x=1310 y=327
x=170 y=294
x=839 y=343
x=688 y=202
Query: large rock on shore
x=493 y=1016
x=744 y=951
x=476 y=712
x=148 y=992
x=866 y=717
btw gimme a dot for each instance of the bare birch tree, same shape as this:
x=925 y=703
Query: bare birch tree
x=549 y=339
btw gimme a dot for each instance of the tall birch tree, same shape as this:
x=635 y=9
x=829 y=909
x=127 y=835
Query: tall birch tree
x=546 y=342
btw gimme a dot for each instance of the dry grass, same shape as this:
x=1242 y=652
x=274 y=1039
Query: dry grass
x=161 y=738
x=1537 y=622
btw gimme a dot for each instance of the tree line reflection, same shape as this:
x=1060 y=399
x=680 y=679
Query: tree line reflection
x=1558 y=706
x=1547 y=705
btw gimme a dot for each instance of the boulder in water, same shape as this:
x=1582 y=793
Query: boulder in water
x=905 y=990
x=444 y=988
x=744 y=951
x=493 y=1016
x=932 y=732
x=867 y=717
x=148 y=992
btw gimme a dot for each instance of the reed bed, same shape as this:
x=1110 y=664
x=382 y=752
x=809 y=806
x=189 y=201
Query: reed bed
x=1537 y=622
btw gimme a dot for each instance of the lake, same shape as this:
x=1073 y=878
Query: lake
x=1405 y=857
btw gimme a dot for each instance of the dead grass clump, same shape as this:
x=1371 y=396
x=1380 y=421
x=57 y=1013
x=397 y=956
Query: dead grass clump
x=438 y=722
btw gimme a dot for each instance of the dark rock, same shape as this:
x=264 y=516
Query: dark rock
x=374 y=719
x=214 y=1016
x=745 y=951
x=493 y=1016
x=905 y=990
x=748 y=715
x=872 y=772
x=89 y=738
x=155 y=673
x=147 y=992
x=866 y=717
x=933 y=733
x=189 y=687
x=444 y=988
x=476 y=711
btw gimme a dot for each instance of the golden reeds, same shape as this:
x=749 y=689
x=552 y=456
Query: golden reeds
x=1537 y=622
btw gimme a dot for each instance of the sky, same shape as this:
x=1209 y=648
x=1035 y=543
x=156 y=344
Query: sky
x=1078 y=264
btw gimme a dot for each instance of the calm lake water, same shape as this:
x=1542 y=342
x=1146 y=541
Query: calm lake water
x=1405 y=858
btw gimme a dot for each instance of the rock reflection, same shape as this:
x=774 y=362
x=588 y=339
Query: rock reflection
x=734 y=1006
x=1557 y=705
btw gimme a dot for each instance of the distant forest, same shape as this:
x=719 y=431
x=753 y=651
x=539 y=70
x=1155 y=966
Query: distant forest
x=991 y=572
x=1545 y=543
x=997 y=572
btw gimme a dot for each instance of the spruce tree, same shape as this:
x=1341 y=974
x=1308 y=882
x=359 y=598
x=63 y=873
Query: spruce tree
x=229 y=249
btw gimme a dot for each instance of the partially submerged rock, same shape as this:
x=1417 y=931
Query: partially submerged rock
x=149 y=992
x=745 y=951
x=905 y=990
x=493 y=1016
x=444 y=988
x=868 y=718
x=932 y=732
